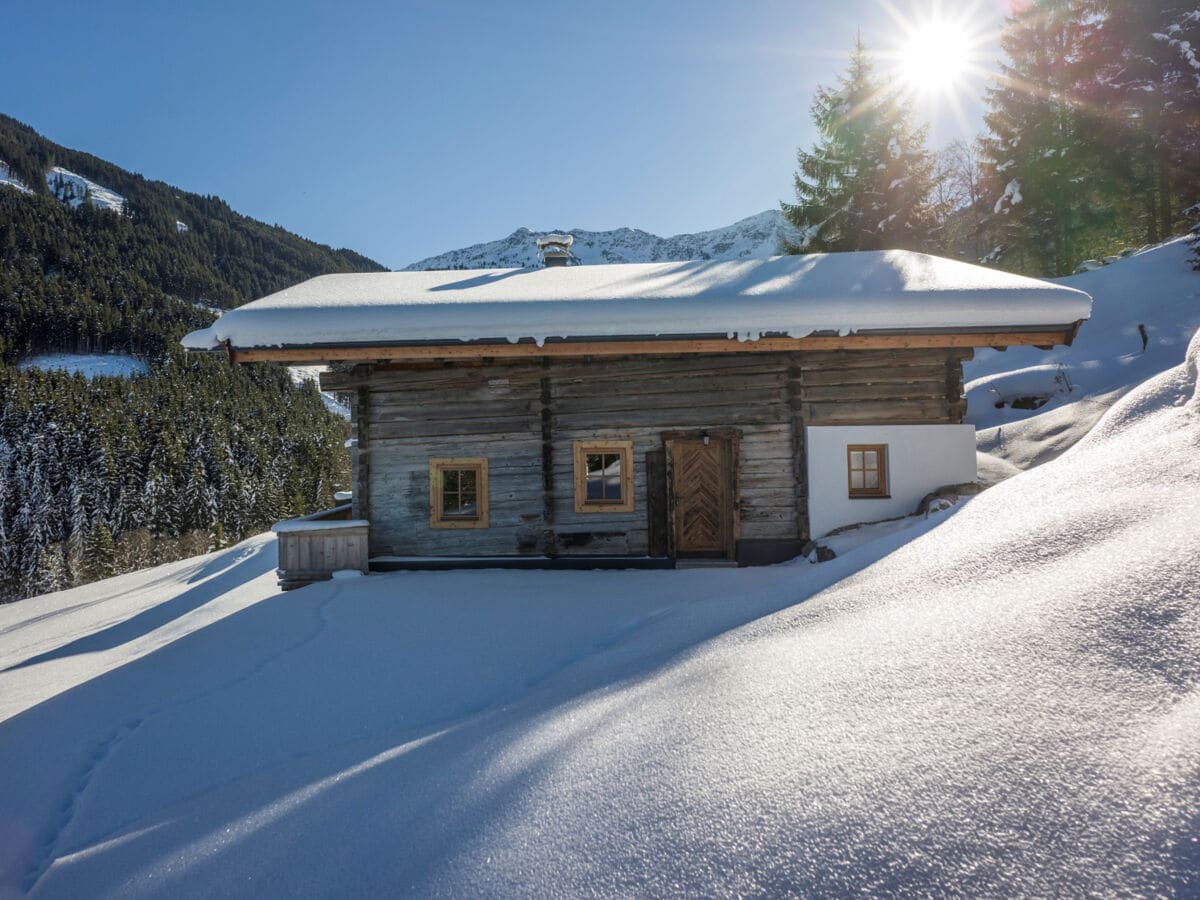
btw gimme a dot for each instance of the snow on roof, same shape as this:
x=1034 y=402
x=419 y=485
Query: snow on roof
x=787 y=295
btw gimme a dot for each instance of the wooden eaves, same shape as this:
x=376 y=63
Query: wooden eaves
x=1043 y=337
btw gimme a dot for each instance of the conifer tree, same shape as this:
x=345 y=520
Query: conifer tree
x=99 y=553
x=1053 y=191
x=867 y=182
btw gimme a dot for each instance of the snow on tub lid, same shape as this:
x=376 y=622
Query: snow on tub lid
x=788 y=295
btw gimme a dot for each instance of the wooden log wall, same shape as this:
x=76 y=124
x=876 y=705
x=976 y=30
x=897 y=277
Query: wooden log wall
x=525 y=417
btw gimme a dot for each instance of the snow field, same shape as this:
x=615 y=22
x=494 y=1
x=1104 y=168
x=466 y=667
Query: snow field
x=1006 y=703
x=90 y=365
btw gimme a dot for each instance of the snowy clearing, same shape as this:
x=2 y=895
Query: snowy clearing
x=72 y=189
x=1007 y=703
x=1155 y=288
x=90 y=365
x=7 y=178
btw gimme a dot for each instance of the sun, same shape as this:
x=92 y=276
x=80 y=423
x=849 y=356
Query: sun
x=935 y=57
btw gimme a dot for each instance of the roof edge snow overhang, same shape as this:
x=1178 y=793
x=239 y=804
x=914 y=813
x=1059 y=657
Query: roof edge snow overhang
x=1042 y=336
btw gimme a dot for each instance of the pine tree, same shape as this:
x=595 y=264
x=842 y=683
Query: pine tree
x=1053 y=196
x=867 y=183
x=99 y=553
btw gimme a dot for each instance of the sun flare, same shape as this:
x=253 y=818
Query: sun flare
x=936 y=56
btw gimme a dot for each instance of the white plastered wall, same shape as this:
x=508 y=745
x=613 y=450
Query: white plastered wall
x=920 y=458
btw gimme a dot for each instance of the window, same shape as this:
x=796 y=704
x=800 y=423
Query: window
x=867 y=469
x=603 y=476
x=458 y=493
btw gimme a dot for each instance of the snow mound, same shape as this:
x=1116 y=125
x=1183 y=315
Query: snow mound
x=90 y=365
x=1006 y=703
x=73 y=189
x=1155 y=288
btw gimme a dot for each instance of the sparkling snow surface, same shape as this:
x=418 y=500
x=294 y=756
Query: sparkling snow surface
x=72 y=188
x=1006 y=704
x=90 y=365
x=793 y=295
x=1157 y=288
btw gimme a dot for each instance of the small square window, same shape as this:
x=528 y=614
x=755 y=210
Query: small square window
x=866 y=466
x=603 y=476
x=458 y=493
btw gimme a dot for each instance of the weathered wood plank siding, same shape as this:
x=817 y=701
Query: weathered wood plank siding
x=491 y=412
x=524 y=418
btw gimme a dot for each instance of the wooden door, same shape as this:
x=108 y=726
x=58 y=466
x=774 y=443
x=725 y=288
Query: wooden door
x=702 y=495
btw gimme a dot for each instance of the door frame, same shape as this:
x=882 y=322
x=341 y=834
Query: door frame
x=733 y=523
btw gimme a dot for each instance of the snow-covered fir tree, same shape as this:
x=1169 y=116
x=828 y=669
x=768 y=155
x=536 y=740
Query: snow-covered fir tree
x=867 y=183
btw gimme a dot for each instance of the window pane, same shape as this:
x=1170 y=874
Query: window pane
x=612 y=476
x=856 y=479
x=595 y=485
x=869 y=459
x=595 y=463
x=459 y=494
x=872 y=478
x=856 y=459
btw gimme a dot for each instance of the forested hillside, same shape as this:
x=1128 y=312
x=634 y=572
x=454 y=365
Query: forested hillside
x=110 y=474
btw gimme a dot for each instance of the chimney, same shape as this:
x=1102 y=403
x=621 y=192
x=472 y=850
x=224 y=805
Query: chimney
x=555 y=249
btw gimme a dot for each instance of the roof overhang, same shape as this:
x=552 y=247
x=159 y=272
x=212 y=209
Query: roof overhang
x=1042 y=336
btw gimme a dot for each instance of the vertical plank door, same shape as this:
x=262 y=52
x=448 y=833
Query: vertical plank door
x=702 y=494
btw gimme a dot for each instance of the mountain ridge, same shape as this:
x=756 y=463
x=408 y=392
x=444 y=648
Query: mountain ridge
x=754 y=237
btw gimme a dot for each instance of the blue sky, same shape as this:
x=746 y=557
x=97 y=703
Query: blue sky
x=405 y=129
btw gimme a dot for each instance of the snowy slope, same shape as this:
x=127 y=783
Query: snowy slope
x=1009 y=704
x=8 y=178
x=301 y=374
x=755 y=237
x=72 y=189
x=1156 y=288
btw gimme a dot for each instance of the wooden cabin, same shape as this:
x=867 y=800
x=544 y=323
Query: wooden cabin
x=647 y=414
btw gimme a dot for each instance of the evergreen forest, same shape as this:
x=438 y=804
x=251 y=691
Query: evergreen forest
x=107 y=475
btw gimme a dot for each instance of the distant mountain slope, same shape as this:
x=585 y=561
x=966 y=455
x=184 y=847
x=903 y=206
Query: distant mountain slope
x=109 y=474
x=186 y=245
x=752 y=238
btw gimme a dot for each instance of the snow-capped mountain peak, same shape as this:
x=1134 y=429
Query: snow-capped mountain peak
x=756 y=237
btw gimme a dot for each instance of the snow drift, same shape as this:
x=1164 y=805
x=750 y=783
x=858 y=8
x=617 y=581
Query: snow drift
x=1156 y=289
x=1008 y=703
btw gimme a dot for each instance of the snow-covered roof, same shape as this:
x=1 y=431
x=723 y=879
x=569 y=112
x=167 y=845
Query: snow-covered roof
x=795 y=296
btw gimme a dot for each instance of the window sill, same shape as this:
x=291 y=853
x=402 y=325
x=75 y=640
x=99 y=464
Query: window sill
x=870 y=497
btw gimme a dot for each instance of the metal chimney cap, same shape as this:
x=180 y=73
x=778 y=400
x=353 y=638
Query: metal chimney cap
x=561 y=240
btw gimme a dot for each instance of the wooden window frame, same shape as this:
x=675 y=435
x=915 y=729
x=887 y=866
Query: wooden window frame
x=437 y=466
x=581 y=451
x=865 y=493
